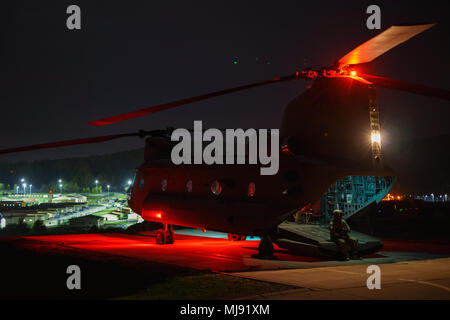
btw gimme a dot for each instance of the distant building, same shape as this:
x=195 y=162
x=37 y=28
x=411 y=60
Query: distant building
x=111 y=217
x=28 y=217
x=134 y=216
x=88 y=221
x=70 y=199
x=12 y=204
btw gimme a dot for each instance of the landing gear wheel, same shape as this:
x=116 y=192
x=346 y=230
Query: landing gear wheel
x=170 y=236
x=235 y=237
x=160 y=236
x=265 y=248
x=166 y=235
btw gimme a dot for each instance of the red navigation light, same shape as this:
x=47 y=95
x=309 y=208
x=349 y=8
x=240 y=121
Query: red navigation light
x=152 y=214
x=285 y=149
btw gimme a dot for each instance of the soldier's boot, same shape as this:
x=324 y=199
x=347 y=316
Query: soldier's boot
x=343 y=249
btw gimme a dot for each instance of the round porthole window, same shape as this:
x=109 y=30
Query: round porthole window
x=251 y=189
x=189 y=186
x=142 y=184
x=164 y=185
x=216 y=187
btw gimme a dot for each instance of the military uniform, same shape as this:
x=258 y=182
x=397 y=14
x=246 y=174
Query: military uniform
x=340 y=234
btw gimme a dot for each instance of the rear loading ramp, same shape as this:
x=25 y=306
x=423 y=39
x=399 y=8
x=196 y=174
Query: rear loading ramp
x=314 y=240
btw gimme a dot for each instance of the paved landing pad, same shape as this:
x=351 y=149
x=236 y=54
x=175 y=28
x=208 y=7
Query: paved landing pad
x=211 y=251
x=426 y=279
x=409 y=270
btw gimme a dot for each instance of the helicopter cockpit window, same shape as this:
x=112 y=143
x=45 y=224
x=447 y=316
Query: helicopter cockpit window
x=142 y=184
x=164 y=185
x=216 y=187
x=189 y=186
x=251 y=189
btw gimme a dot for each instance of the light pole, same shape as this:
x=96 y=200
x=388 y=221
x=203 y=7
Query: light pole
x=60 y=188
x=24 y=188
x=17 y=190
x=96 y=184
x=30 y=188
x=108 y=189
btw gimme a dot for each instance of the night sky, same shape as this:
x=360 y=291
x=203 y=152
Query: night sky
x=134 y=54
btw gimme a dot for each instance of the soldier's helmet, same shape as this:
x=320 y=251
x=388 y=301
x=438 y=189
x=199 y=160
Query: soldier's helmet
x=337 y=213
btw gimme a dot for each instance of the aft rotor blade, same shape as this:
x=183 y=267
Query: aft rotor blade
x=174 y=104
x=407 y=86
x=382 y=43
x=66 y=143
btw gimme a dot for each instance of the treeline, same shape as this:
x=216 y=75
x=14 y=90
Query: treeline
x=77 y=174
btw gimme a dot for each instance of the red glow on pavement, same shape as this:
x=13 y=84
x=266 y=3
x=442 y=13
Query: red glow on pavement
x=202 y=253
x=197 y=252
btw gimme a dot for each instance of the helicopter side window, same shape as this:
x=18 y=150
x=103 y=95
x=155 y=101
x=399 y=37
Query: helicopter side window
x=142 y=184
x=164 y=185
x=251 y=189
x=216 y=187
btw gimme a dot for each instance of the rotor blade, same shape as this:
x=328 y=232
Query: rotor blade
x=66 y=143
x=382 y=43
x=174 y=104
x=407 y=86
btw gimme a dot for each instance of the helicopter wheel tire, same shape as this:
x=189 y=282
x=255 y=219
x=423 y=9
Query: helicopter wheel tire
x=265 y=248
x=160 y=236
x=170 y=236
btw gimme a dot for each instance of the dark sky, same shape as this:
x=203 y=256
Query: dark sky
x=134 y=54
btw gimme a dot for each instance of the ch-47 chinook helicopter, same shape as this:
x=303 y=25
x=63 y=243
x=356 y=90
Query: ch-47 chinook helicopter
x=339 y=141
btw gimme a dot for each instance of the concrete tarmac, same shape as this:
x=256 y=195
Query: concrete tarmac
x=421 y=279
x=408 y=270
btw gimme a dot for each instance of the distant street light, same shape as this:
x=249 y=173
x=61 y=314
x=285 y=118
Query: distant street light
x=60 y=188
x=129 y=182
x=96 y=184
x=30 y=188
x=108 y=189
x=24 y=188
x=17 y=190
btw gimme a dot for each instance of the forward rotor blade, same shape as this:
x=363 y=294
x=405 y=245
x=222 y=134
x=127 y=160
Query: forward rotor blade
x=174 y=104
x=407 y=86
x=66 y=143
x=382 y=43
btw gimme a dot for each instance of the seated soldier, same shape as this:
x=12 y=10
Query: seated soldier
x=340 y=234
